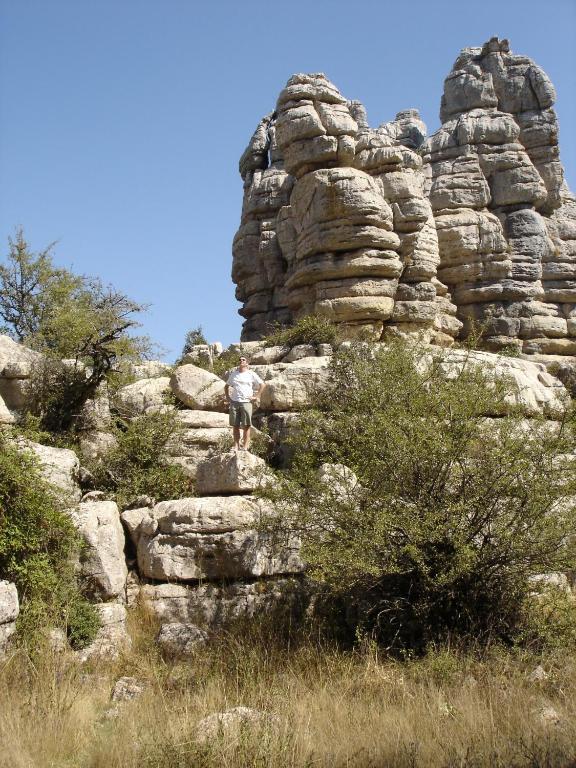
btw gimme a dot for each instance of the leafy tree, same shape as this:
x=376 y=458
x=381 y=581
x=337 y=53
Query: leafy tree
x=66 y=316
x=452 y=513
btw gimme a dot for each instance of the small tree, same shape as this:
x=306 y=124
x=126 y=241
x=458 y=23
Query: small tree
x=451 y=514
x=193 y=338
x=67 y=316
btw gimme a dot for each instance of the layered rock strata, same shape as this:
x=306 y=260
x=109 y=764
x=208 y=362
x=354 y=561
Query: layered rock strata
x=504 y=217
x=354 y=237
x=385 y=231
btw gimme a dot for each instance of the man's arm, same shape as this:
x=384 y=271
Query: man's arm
x=227 y=392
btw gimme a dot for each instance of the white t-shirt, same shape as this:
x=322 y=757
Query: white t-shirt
x=243 y=384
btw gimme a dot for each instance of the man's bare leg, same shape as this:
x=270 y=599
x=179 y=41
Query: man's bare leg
x=236 y=433
x=246 y=438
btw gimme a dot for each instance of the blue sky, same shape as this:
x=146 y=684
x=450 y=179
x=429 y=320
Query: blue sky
x=122 y=121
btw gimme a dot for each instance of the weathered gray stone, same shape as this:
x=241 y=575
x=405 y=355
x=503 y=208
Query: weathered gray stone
x=233 y=472
x=59 y=466
x=127 y=689
x=215 y=606
x=111 y=638
x=230 y=723
x=143 y=396
x=9 y=605
x=102 y=562
x=198 y=389
x=210 y=538
x=180 y=639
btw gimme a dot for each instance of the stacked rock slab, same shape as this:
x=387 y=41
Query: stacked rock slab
x=356 y=238
x=504 y=218
x=259 y=267
x=421 y=303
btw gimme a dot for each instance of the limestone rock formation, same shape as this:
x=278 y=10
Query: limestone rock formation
x=505 y=219
x=102 y=562
x=207 y=538
x=385 y=231
x=234 y=472
x=143 y=396
x=354 y=235
x=215 y=605
x=9 y=610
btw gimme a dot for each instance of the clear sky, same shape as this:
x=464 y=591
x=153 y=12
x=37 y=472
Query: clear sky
x=122 y=121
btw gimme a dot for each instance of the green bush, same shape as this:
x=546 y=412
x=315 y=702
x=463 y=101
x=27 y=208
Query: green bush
x=139 y=464
x=311 y=329
x=38 y=543
x=452 y=512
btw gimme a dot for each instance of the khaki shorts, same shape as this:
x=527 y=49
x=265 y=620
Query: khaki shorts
x=240 y=414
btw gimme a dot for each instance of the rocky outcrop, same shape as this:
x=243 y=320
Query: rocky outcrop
x=59 y=466
x=384 y=231
x=234 y=472
x=142 y=396
x=102 y=562
x=504 y=217
x=354 y=236
x=207 y=538
x=216 y=605
x=9 y=610
x=16 y=365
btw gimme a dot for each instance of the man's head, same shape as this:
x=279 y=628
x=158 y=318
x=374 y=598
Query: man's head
x=243 y=363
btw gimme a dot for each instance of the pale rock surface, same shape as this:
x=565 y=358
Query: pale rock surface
x=9 y=610
x=102 y=562
x=149 y=369
x=289 y=386
x=94 y=444
x=59 y=466
x=215 y=606
x=198 y=389
x=127 y=689
x=6 y=415
x=532 y=388
x=180 y=639
x=504 y=216
x=209 y=538
x=143 y=396
x=112 y=636
x=235 y=472
x=230 y=723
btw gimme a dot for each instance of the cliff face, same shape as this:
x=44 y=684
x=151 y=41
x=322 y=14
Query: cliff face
x=505 y=219
x=385 y=231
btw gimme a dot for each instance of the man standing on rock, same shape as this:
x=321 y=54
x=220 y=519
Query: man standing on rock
x=243 y=388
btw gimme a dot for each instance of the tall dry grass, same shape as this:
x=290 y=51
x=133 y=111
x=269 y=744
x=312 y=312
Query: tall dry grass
x=328 y=708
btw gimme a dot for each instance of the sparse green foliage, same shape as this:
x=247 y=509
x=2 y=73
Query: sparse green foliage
x=452 y=512
x=139 y=464
x=311 y=329
x=193 y=338
x=37 y=544
x=66 y=316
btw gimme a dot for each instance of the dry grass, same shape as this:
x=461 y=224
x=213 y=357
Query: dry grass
x=330 y=708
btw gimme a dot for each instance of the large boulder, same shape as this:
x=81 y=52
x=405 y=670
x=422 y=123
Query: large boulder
x=103 y=563
x=143 y=396
x=233 y=472
x=208 y=538
x=180 y=639
x=530 y=387
x=198 y=388
x=214 y=606
x=59 y=466
x=111 y=638
x=290 y=386
x=9 y=610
